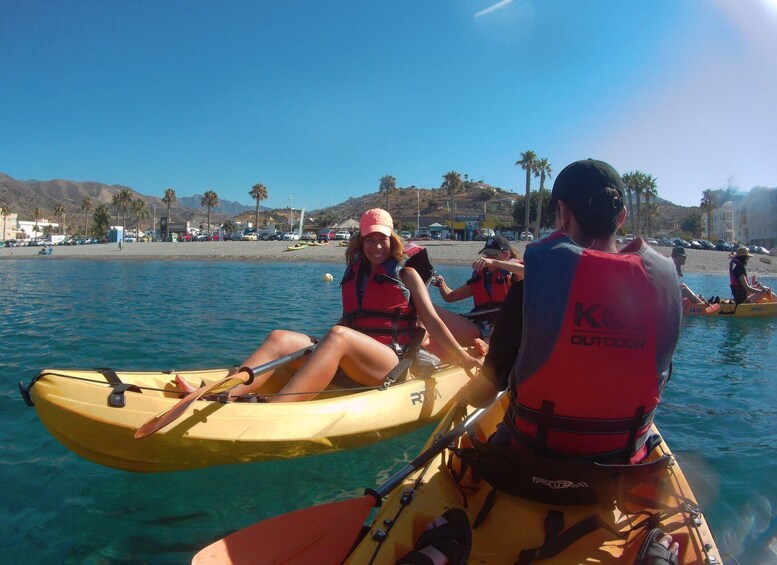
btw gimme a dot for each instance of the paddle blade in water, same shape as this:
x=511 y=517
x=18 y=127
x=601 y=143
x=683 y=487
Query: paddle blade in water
x=319 y=534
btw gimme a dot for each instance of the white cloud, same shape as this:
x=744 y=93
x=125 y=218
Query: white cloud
x=494 y=8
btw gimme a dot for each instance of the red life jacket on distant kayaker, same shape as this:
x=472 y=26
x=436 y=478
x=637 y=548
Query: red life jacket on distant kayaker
x=489 y=288
x=385 y=311
x=734 y=281
x=599 y=333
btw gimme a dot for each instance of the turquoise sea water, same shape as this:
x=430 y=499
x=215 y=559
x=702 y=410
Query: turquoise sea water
x=718 y=415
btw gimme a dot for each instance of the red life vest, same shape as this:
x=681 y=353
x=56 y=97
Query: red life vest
x=734 y=281
x=490 y=287
x=386 y=312
x=599 y=332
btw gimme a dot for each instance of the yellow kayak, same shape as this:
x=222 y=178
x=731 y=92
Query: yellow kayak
x=608 y=527
x=96 y=414
x=296 y=247
x=729 y=309
x=615 y=530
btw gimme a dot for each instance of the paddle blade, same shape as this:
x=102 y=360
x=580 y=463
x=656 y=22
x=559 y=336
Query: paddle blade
x=319 y=534
x=712 y=309
x=161 y=420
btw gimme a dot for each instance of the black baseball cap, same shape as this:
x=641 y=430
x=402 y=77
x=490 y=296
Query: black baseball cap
x=497 y=242
x=584 y=183
x=678 y=251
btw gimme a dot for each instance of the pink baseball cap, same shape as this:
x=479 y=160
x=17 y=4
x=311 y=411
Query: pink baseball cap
x=376 y=220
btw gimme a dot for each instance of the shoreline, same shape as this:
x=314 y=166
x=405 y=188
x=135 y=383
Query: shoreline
x=440 y=252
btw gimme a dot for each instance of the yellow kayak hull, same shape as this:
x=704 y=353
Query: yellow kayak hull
x=731 y=310
x=73 y=405
x=515 y=524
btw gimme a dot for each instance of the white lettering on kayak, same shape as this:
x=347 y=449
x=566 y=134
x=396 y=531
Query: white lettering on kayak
x=558 y=484
x=420 y=396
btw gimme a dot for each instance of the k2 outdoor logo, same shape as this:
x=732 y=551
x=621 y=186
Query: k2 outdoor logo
x=608 y=321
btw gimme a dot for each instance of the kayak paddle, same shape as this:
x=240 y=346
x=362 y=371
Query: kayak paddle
x=325 y=533
x=165 y=418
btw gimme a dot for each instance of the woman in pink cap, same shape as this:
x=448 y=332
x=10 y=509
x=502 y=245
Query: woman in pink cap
x=383 y=301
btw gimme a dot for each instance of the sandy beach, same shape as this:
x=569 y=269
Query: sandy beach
x=440 y=252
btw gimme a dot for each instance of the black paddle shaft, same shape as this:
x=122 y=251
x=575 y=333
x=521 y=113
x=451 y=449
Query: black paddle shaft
x=271 y=365
x=425 y=456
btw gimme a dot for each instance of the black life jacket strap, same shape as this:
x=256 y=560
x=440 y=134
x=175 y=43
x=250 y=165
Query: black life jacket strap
x=557 y=539
x=579 y=425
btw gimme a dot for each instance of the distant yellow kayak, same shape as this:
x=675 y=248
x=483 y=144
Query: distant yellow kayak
x=731 y=310
x=96 y=414
x=297 y=246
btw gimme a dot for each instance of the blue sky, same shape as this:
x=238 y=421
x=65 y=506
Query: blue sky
x=319 y=99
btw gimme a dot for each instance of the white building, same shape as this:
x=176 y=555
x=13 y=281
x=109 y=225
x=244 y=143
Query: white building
x=756 y=217
x=27 y=229
x=8 y=227
x=753 y=220
x=722 y=223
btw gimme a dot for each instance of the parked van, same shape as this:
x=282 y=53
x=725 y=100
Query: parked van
x=327 y=234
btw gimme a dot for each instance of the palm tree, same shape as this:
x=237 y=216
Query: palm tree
x=258 y=192
x=211 y=200
x=125 y=198
x=86 y=206
x=4 y=210
x=168 y=200
x=650 y=190
x=102 y=220
x=709 y=202
x=630 y=180
x=639 y=189
x=452 y=184
x=388 y=185
x=59 y=211
x=139 y=208
x=528 y=163
x=37 y=214
x=542 y=169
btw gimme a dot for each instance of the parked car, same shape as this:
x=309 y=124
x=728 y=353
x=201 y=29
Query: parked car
x=665 y=242
x=326 y=234
x=405 y=234
x=308 y=236
x=651 y=241
x=291 y=236
x=343 y=234
x=679 y=242
x=423 y=233
x=185 y=237
x=526 y=236
x=722 y=245
x=758 y=249
x=250 y=236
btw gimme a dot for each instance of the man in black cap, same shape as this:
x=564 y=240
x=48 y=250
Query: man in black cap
x=591 y=323
x=678 y=257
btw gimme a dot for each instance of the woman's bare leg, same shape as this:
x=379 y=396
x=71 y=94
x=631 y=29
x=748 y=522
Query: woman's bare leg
x=463 y=330
x=277 y=344
x=364 y=359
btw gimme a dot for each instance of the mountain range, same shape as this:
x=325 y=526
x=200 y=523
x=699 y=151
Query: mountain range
x=408 y=206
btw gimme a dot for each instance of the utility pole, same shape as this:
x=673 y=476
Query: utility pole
x=291 y=216
x=418 y=210
x=153 y=233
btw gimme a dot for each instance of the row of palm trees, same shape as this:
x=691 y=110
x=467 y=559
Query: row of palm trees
x=541 y=168
x=644 y=187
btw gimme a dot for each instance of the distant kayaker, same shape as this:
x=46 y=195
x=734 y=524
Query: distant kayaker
x=383 y=302
x=741 y=290
x=493 y=273
x=678 y=257
x=586 y=341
